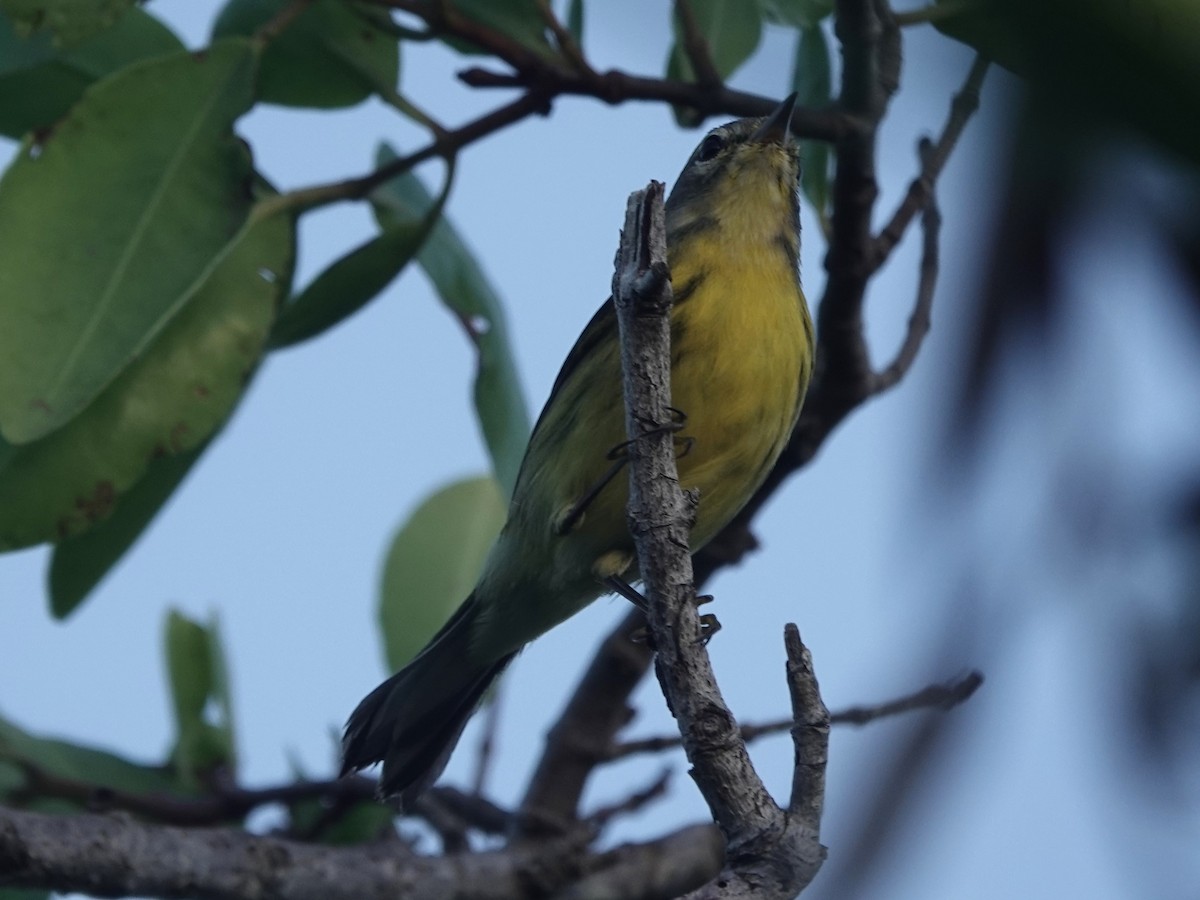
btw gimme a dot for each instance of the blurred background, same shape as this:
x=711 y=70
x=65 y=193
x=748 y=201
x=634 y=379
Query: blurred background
x=1025 y=503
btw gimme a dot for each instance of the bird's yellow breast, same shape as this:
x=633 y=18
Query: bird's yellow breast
x=741 y=357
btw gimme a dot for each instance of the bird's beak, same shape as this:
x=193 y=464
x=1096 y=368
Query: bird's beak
x=776 y=127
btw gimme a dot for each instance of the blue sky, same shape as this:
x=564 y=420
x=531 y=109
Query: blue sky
x=282 y=528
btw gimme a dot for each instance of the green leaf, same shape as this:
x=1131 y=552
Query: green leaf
x=458 y=279
x=19 y=894
x=170 y=401
x=811 y=80
x=108 y=223
x=39 y=83
x=796 y=13
x=97 y=768
x=333 y=55
x=70 y=21
x=575 y=20
x=520 y=20
x=195 y=664
x=731 y=30
x=434 y=561
x=357 y=278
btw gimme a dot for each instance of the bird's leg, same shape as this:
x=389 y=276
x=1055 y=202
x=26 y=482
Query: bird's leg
x=709 y=624
x=619 y=455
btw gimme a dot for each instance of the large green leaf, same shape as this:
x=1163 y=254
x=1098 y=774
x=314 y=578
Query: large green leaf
x=731 y=30
x=39 y=82
x=70 y=21
x=811 y=80
x=434 y=561
x=107 y=225
x=196 y=666
x=332 y=55
x=520 y=20
x=459 y=280
x=168 y=402
x=357 y=278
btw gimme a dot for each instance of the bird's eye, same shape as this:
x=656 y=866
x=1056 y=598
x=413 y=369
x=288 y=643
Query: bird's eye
x=710 y=147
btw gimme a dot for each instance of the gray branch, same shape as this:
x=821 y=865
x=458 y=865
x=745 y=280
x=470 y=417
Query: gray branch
x=115 y=856
x=770 y=853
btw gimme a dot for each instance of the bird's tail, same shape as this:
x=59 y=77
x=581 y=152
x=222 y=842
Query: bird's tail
x=412 y=721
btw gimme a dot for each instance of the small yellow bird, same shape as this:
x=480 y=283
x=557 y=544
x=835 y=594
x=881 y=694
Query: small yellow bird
x=741 y=356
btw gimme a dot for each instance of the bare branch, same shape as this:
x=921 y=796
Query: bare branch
x=577 y=742
x=919 y=322
x=662 y=871
x=962 y=107
x=937 y=696
x=695 y=46
x=635 y=801
x=445 y=146
x=566 y=42
x=810 y=736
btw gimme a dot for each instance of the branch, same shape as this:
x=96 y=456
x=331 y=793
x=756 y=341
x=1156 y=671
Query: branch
x=445 y=146
x=227 y=804
x=942 y=697
x=776 y=853
x=919 y=322
x=551 y=77
x=578 y=741
x=663 y=871
x=962 y=107
x=696 y=47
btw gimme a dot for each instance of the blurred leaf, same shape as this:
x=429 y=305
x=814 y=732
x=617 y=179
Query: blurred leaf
x=168 y=402
x=811 y=80
x=39 y=83
x=796 y=13
x=196 y=665
x=357 y=278
x=1135 y=63
x=332 y=55
x=19 y=894
x=434 y=561
x=70 y=21
x=92 y=767
x=731 y=29
x=464 y=288
x=575 y=20
x=520 y=20
x=108 y=223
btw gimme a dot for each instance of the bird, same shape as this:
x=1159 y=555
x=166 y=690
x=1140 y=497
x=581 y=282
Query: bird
x=742 y=351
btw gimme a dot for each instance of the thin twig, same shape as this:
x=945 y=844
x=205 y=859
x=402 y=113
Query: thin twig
x=695 y=46
x=566 y=42
x=937 y=696
x=962 y=107
x=634 y=802
x=919 y=321
x=446 y=147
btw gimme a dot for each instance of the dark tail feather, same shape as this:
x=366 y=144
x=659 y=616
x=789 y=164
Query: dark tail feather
x=413 y=720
